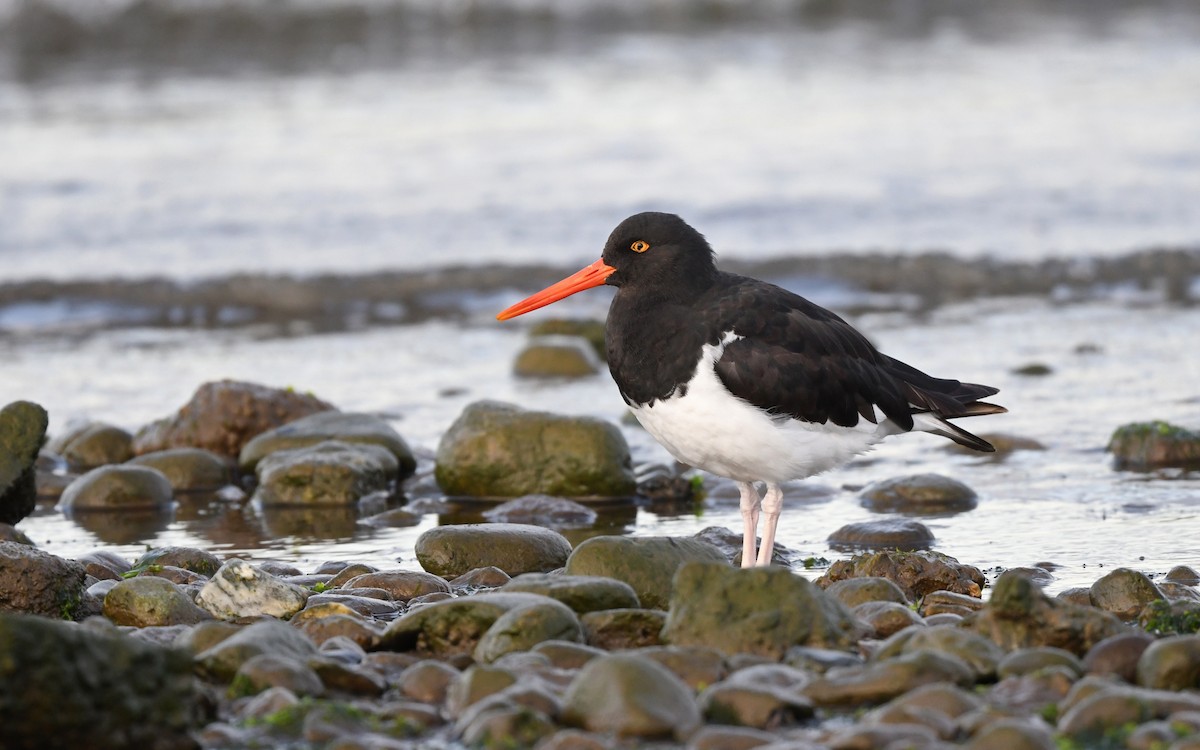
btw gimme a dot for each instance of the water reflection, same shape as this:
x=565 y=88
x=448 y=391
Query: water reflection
x=124 y=527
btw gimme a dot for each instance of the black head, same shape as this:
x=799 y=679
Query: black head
x=657 y=250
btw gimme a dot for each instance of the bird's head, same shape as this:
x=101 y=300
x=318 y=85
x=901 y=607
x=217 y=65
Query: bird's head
x=647 y=251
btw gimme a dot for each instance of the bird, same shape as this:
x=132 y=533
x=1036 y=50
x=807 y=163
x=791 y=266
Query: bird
x=746 y=380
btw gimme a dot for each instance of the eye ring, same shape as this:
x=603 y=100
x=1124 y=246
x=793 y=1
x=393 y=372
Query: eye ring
x=640 y=246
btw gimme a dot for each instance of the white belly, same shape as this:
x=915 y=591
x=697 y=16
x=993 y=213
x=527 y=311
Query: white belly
x=710 y=429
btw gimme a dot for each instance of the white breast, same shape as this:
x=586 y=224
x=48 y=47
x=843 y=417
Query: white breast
x=711 y=429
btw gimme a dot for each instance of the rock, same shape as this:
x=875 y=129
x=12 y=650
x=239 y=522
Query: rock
x=760 y=611
x=614 y=629
x=855 y=591
x=94 y=444
x=916 y=573
x=393 y=519
x=581 y=593
x=1030 y=660
x=567 y=655
x=590 y=330
x=948 y=700
x=507 y=726
x=1013 y=734
x=1171 y=663
x=9 y=533
x=892 y=533
x=920 y=494
x=239 y=589
x=1113 y=705
x=886 y=618
x=543 y=510
x=342 y=427
x=732 y=738
x=1124 y=592
x=647 y=564
x=117 y=488
x=522 y=628
x=487 y=577
x=267 y=670
x=149 y=601
x=328 y=473
x=223 y=416
x=269 y=636
x=67 y=686
x=363 y=605
x=729 y=542
x=497 y=450
x=451 y=627
x=1170 y=617
x=947 y=602
x=476 y=683
x=976 y=652
x=697 y=666
x=196 y=560
x=39 y=583
x=880 y=681
x=631 y=697
x=451 y=551
x=557 y=357
x=326 y=624
x=188 y=469
x=1019 y=615
x=22 y=430
x=1152 y=445
x=1117 y=655
x=1183 y=574
x=401 y=585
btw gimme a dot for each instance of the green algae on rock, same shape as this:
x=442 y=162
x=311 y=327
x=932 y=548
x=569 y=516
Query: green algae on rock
x=22 y=431
x=496 y=450
x=1152 y=445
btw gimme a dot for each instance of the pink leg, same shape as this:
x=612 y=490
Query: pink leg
x=750 y=504
x=772 y=505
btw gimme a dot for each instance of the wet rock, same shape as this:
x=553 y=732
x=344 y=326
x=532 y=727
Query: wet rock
x=188 y=469
x=567 y=655
x=498 y=450
x=1124 y=592
x=454 y=626
x=67 y=686
x=590 y=330
x=487 y=577
x=886 y=618
x=395 y=518
x=204 y=636
x=976 y=652
x=149 y=601
x=761 y=611
x=522 y=628
x=401 y=585
x=820 y=660
x=267 y=670
x=1020 y=615
x=328 y=473
x=557 y=357
x=93 y=444
x=223 y=416
x=916 y=573
x=1013 y=734
x=543 y=510
x=1111 y=705
x=343 y=624
x=450 y=551
x=948 y=700
x=574 y=739
x=757 y=706
x=22 y=430
x=1117 y=655
x=507 y=726
x=919 y=493
x=631 y=697
x=342 y=427
x=352 y=570
x=892 y=533
x=9 y=533
x=476 y=683
x=731 y=738
x=581 y=593
x=117 y=488
x=1183 y=574
x=613 y=629
x=1151 y=445
x=1029 y=660
x=196 y=560
x=39 y=583
x=269 y=636
x=1171 y=617
x=647 y=564
x=427 y=681
x=697 y=666
x=885 y=735
x=1171 y=664
x=1034 y=369
x=363 y=605
x=880 y=681
x=729 y=542
x=855 y=591
x=239 y=589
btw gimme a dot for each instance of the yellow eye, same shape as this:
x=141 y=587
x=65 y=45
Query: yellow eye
x=640 y=246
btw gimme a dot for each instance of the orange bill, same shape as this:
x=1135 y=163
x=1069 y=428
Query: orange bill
x=586 y=278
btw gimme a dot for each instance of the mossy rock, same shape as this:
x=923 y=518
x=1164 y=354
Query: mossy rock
x=556 y=357
x=1152 y=445
x=22 y=431
x=647 y=564
x=496 y=450
x=590 y=330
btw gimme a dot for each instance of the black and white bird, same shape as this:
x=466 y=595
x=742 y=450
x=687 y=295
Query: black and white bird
x=744 y=379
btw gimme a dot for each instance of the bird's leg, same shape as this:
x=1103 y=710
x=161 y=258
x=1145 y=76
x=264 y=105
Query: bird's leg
x=750 y=503
x=772 y=504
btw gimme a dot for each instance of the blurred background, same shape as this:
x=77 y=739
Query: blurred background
x=337 y=195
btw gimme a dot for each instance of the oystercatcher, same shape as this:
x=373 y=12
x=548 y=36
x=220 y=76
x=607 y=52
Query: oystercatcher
x=747 y=380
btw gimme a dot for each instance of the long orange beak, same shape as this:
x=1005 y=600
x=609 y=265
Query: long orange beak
x=586 y=278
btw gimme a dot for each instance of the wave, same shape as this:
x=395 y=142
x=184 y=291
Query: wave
x=288 y=305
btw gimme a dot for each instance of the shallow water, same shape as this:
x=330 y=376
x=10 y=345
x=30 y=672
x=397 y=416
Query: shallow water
x=1064 y=505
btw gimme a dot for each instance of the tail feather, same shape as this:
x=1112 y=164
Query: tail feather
x=932 y=423
x=936 y=400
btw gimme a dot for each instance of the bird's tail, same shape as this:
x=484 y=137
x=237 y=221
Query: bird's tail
x=936 y=400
